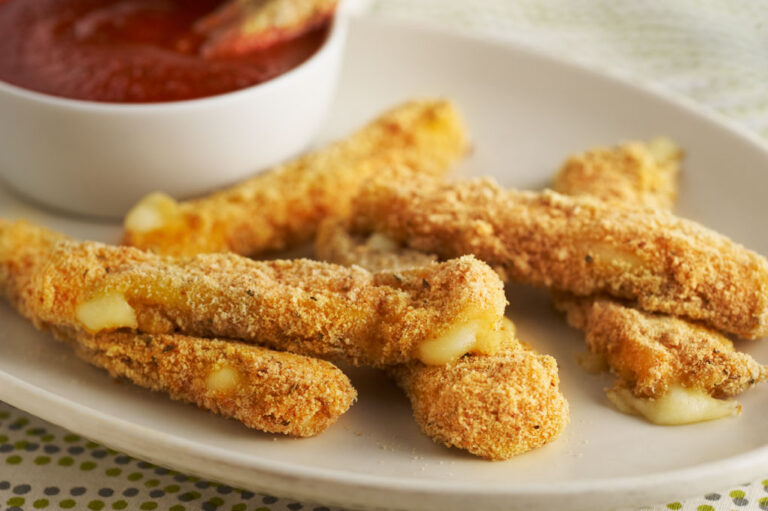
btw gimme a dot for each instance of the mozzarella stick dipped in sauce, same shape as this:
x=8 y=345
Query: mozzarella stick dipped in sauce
x=434 y=314
x=494 y=406
x=581 y=245
x=239 y=27
x=282 y=207
x=266 y=390
x=669 y=370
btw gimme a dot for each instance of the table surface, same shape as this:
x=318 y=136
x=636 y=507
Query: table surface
x=711 y=51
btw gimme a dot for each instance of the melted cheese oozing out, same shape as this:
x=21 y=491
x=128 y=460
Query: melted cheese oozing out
x=449 y=346
x=607 y=254
x=678 y=406
x=663 y=149
x=106 y=312
x=381 y=243
x=508 y=328
x=152 y=212
x=474 y=336
x=223 y=379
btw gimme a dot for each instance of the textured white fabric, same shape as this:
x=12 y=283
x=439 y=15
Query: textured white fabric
x=713 y=51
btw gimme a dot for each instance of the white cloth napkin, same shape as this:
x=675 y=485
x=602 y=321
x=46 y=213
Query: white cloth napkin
x=712 y=51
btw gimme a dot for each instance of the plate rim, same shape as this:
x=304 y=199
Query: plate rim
x=104 y=422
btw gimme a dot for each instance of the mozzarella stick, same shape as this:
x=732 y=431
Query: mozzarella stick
x=494 y=406
x=266 y=390
x=23 y=247
x=669 y=370
x=652 y=259
x=335 y=244
x=434 y=314
x=643 y=173
x=282 y=207
x=654 y=352
x=242 y=26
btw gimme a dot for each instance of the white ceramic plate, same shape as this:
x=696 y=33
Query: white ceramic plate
x=526 y=113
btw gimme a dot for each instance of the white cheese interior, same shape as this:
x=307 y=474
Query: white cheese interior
x=381 y=243
x=223 y=379
x=449 y=346
x=152 y=212
x=106 y=312
x=678 y=406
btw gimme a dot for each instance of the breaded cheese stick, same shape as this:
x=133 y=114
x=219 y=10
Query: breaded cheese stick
x=434 y=314
x=22 y=248
x=668 y=370
x=581 y=245
x=643 y=173
x=264 y=389
x=335 y=244
x=283 y=207
x=494 y=406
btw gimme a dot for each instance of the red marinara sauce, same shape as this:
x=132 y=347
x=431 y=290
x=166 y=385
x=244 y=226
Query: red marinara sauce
x=129 y=51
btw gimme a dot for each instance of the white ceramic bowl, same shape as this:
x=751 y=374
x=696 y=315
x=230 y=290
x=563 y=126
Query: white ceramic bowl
x=100 y=158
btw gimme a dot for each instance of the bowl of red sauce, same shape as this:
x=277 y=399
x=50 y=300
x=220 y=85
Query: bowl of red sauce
x=104 y=101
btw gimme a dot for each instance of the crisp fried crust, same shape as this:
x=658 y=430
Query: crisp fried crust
x=283 y=207
x=631 y=173
x=242 y=26
x=578 y=244
x=335 y=244
x=300 y=306
x=23 y=247
x=650 y=353
x=495 y=406
x=266 y=390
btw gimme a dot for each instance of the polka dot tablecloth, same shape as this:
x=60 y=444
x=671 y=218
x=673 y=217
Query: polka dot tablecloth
x=715 y=52
x=43 y=466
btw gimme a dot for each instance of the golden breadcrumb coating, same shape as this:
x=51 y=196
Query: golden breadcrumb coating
x=631 y=173
x=650 y=352
x=651 y=258
x=23 y=246
x=493 y=406
x=300 y=306
x=242 y=26
x=335 y=244
x=266 y=390
x=284 y=206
